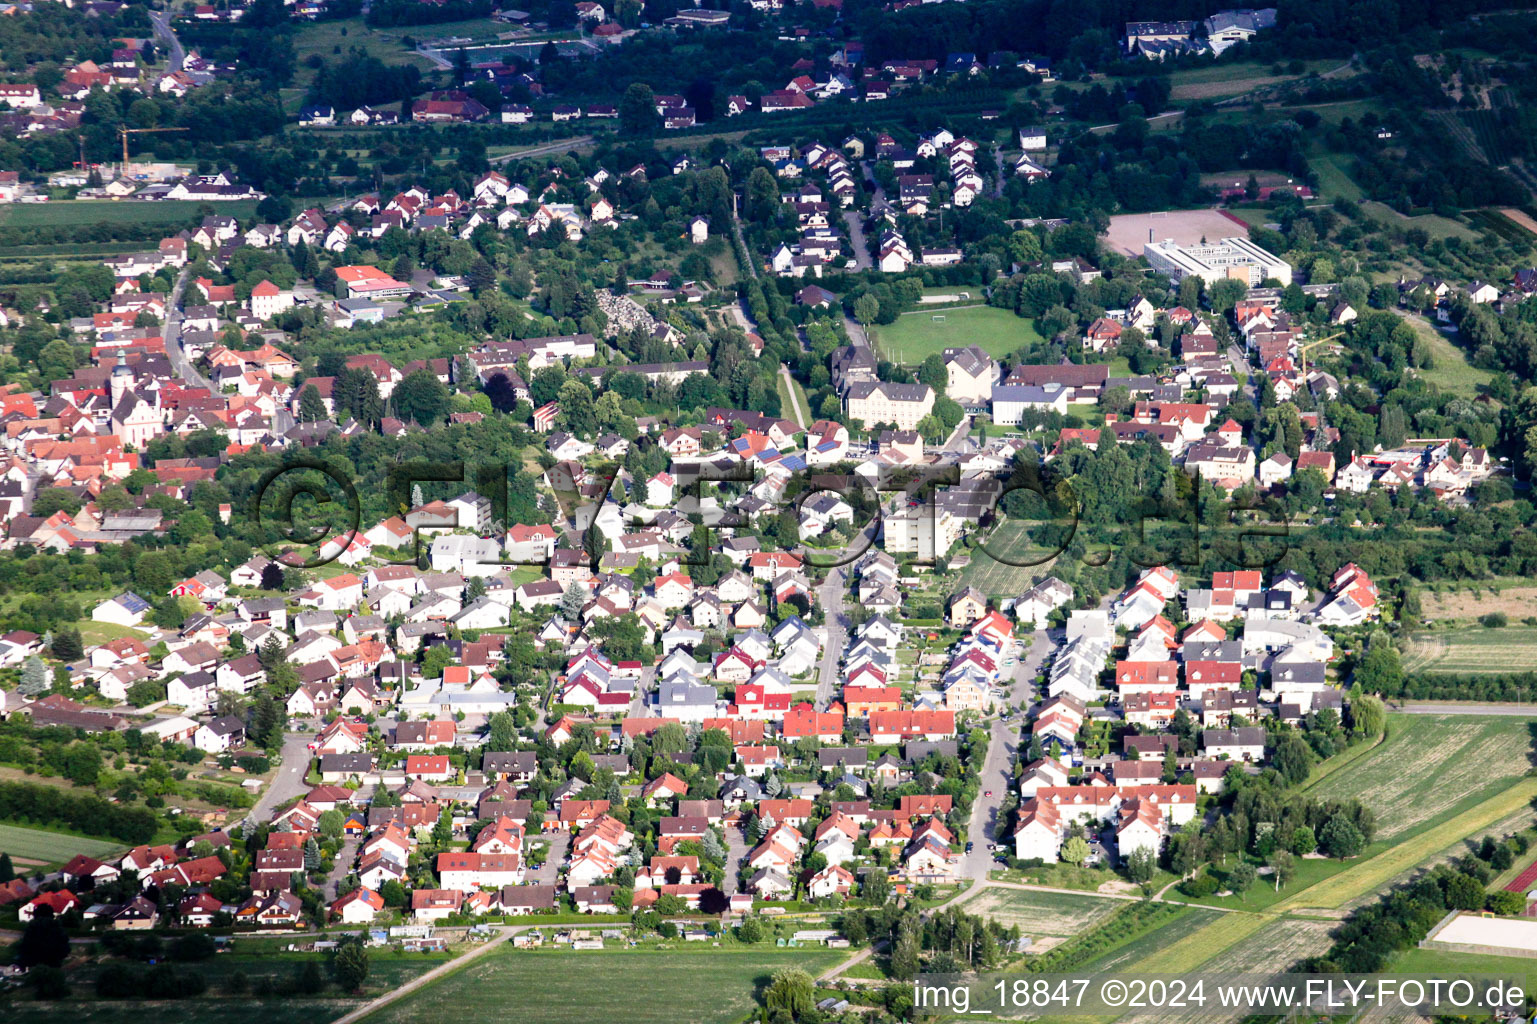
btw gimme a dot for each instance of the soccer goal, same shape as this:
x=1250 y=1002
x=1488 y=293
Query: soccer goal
x=938 y=318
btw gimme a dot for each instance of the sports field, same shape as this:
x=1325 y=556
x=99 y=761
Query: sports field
x=708 y=986
x=1472 y=650
x=1129 y=232
x=36 y=846
x=1432 y=765
x=74 y=212
x=1042 y=913
x=925 y=332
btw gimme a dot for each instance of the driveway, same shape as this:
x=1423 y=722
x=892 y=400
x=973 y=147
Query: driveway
x=547 y=873
x=737 y=849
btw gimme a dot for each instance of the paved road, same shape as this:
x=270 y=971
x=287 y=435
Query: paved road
x=289 y=781
x=546 y=149
x=856 y=333
x=856 y=225
x=1516 y=710
x=997 y=774
x=960 y=438
x=176 y=55
x=795 y=402
x=831 y=599
x=179 y=361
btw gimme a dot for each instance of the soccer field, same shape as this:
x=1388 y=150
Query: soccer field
x=925 y=332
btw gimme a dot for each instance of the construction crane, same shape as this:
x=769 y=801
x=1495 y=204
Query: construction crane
x=125 y=131
x=1302 y=350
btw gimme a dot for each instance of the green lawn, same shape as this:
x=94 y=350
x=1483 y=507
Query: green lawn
x=698 y=985
x=1440 y=963
x=95 y=633
x=1435 y=226
x=1449 y=369
x=1472 y=649
x=323 y=38
x=106 y=211
x=34 y=844
x=1334 y=181
x=917 y=335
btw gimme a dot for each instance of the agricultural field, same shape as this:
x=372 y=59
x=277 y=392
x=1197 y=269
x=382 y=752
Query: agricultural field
x=1196 y=947
x=1368 y=875
x=1472 y=649
x=1432 y=766
x=265 y=968
x=20 y=1009
x=1039 y=913
x=1521 y=218
x=1231 y=79
x=1132 y=955
x=995 y=578
x=1282 y=943
x=917 y=335
x=711 y=986
x=74 y=212
x=1509 y=225
x=37 y=847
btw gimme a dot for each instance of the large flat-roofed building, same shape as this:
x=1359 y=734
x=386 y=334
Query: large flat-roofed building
x=1232 y=258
